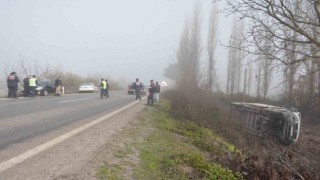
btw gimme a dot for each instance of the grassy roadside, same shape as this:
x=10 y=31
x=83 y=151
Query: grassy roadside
x=157 y=146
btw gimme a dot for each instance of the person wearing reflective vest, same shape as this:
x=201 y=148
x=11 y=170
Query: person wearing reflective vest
x=33 y=85
x=106 y=93
x=103 y=87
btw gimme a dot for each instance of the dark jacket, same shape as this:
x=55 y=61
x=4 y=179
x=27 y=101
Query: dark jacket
x=12 y=80
x=58 y=82
x=138 y=86
x=152 y=88
x=157 y=88
x=26 y=82
x=107 y=84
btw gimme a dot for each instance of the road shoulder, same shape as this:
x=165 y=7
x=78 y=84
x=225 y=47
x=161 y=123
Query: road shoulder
x=73 y=159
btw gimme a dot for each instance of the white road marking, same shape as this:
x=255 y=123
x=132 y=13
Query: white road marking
x=73 y=100
x=32 y=152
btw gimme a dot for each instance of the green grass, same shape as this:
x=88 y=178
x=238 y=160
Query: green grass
x=111 y=173
x=169 y=149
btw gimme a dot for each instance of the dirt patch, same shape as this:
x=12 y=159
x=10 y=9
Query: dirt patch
x=119 y=156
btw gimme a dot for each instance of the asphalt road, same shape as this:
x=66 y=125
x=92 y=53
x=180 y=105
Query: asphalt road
x=26 y=118
x=60 y=137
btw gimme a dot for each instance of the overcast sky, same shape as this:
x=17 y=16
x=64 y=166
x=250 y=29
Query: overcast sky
x=120 y=38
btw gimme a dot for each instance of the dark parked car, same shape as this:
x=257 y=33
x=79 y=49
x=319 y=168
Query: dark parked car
x=45 y=87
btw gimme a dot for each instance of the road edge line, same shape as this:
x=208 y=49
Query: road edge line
x=32 y=152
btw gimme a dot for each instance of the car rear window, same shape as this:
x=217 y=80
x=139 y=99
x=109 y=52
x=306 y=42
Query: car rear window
x=42 y=83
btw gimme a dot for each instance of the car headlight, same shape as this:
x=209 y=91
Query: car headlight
x=39 y=88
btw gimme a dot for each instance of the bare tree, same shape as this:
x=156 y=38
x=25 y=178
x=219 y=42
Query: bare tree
x=263 y=77
x=195 y=45
x=272 y=16
x=258 y=78
x=247 y=76
x=24 y=67
x=172 y=71
x=267 y=74
x=71 y=80
x=249 y=82
x=292 y=27
x=188 y=55
x=183 y=52
x=310 y=69
x=211 y=47
x=51 y=72
x=229 y=71
x=266 y=65
x=244 y=84
x=235 y=58
x=291 y=68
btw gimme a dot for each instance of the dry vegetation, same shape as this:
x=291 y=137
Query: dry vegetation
x=71 y=81
x=266 y=36
x=262 y=157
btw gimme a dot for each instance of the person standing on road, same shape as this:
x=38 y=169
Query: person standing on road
x=138 y=86
x=106 y=93
x=26 y=89
x=103 y=87
x=12 y=83
x=152 y=89
x=33 y=85
x=157 y=92
x=58 y=85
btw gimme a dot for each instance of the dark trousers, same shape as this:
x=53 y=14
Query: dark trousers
x=32 y=91
x=150 y=98
x=26 y=91
x=106 y=93
x=12 y=91
x=138 y=96
x=102 y=93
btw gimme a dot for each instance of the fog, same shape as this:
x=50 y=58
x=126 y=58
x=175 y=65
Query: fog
x=120 y=38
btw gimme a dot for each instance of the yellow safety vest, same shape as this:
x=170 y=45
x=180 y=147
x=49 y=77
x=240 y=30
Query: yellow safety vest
x=104 y=85
x=32 y=82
